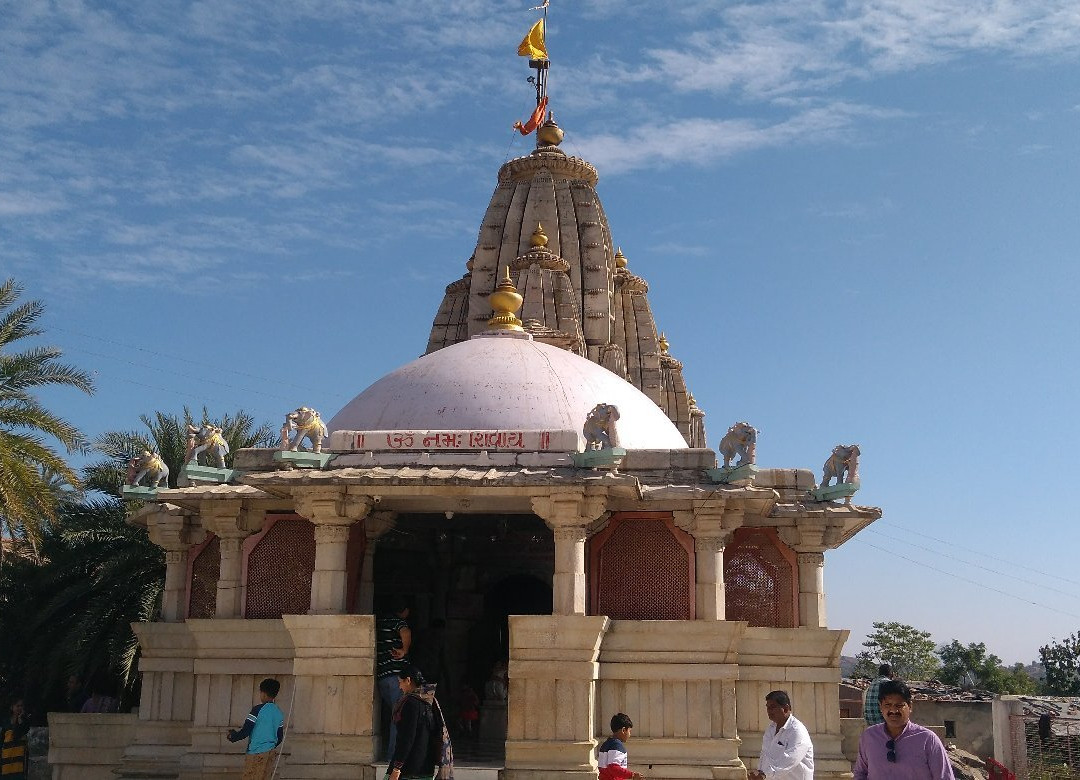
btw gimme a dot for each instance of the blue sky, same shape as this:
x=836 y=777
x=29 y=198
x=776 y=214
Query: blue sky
x=858 y=221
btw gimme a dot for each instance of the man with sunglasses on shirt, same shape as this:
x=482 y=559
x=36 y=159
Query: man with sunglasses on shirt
x=900 y=749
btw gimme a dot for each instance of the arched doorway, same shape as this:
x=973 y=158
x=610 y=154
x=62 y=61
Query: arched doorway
x=462 y=576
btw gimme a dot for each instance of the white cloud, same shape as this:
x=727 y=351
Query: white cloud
x=777 y=47
x=706 y=141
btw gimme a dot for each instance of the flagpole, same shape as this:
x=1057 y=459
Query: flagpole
x=541 y=66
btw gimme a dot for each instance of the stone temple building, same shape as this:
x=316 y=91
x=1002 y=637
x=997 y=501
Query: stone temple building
x=647 y=588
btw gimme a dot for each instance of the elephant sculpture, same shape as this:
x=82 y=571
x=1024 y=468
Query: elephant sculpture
x=304 y=423
x=148 y=464
x=740 y=441
x=843 y=465
x=599 y=427
x=209 y=439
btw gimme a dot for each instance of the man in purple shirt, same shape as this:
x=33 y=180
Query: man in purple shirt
x=899 y=749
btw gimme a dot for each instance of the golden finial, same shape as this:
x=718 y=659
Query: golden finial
x=663 y=343
x=693 y=402
x=539 y=238
x=505 y=301
x=620 y=259
x=549 y=133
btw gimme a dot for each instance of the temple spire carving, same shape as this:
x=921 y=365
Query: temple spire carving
x=546 y=228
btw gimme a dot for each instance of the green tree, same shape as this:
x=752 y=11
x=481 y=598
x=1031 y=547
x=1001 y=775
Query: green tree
x=1062 y=663
x=909 y=651
x=29 y=466
x=167 y=434
x=970 y=665
x=98 y=575
x=71 y=611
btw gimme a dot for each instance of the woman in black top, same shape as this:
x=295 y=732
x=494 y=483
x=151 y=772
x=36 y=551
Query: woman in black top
x=417 y=748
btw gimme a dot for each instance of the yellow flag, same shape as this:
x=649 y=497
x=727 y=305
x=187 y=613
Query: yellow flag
x=532 y=45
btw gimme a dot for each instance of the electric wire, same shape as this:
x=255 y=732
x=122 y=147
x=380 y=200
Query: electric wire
x=999 y=559
x=969 y=563
x=200 y=363
x=956 y=576
x=202 y=379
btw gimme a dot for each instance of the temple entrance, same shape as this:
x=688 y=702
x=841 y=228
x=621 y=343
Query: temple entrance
x=462 y=577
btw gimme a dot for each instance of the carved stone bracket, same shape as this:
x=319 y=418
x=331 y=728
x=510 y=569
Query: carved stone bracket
x=813 y=534
x=569 y=508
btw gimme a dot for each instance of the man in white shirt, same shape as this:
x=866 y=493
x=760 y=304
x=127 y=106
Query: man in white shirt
x=786 y=750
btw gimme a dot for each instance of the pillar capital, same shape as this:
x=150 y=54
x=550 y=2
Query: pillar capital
x=569 y=508
x=710 y=521
x=225 y=518
x=331 y=505
x=813 y=534
x=170 y=528
x=811 y=559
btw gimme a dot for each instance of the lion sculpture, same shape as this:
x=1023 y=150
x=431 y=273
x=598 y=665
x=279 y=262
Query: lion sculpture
x=304 y=423
x=843 y=464
x=209 y=439
x=741 y=441
x=599 y=427
x=148 y=464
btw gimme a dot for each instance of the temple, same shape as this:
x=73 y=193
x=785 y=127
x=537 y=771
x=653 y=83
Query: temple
x=637 y=578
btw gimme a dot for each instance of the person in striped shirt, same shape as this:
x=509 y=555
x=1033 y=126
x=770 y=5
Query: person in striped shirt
x=612 y=757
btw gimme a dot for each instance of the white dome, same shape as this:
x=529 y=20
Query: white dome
x=497 y=381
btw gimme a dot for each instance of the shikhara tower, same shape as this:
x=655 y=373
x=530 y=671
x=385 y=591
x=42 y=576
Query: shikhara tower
x=545 y=222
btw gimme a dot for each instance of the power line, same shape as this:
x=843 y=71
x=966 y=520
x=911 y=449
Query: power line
x=206 y=380
x=970 y=563
x=895 y=554
x=200 y=363
x=1055 y=575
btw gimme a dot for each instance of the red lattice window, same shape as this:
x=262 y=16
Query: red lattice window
x=761 y=579
x=278 y=566
x=203 y=574
x=641 y=567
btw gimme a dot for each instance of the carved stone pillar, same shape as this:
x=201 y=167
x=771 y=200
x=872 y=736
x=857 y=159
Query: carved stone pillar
x=169 y=530
x=812 y=589
x=810 y=537
x=711 y=525
x=332 y=512
x=231 y=524
x=569 y=514
x=375 y=525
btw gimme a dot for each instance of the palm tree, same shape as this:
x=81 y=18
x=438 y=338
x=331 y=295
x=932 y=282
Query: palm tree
x=28 y=465
x=71 y=613
x=98 y=575
x=166 y=434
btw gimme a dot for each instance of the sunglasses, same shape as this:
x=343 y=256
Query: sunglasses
x=891 y=755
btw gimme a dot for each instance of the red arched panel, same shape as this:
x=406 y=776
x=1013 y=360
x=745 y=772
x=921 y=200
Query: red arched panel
x=277 y=568
x=641 y=567
x=761 y=579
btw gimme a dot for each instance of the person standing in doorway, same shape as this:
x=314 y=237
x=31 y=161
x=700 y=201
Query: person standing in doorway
x=393 y=639
x=871 y=710
x=900 y=749
x=786 y=750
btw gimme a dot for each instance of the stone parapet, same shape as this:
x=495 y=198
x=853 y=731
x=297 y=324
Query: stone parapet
x=553 y=668
x=676 y=680
x=805 y=662
x=84 y=746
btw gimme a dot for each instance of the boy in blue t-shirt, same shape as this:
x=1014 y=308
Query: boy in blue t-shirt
x=265 y=727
